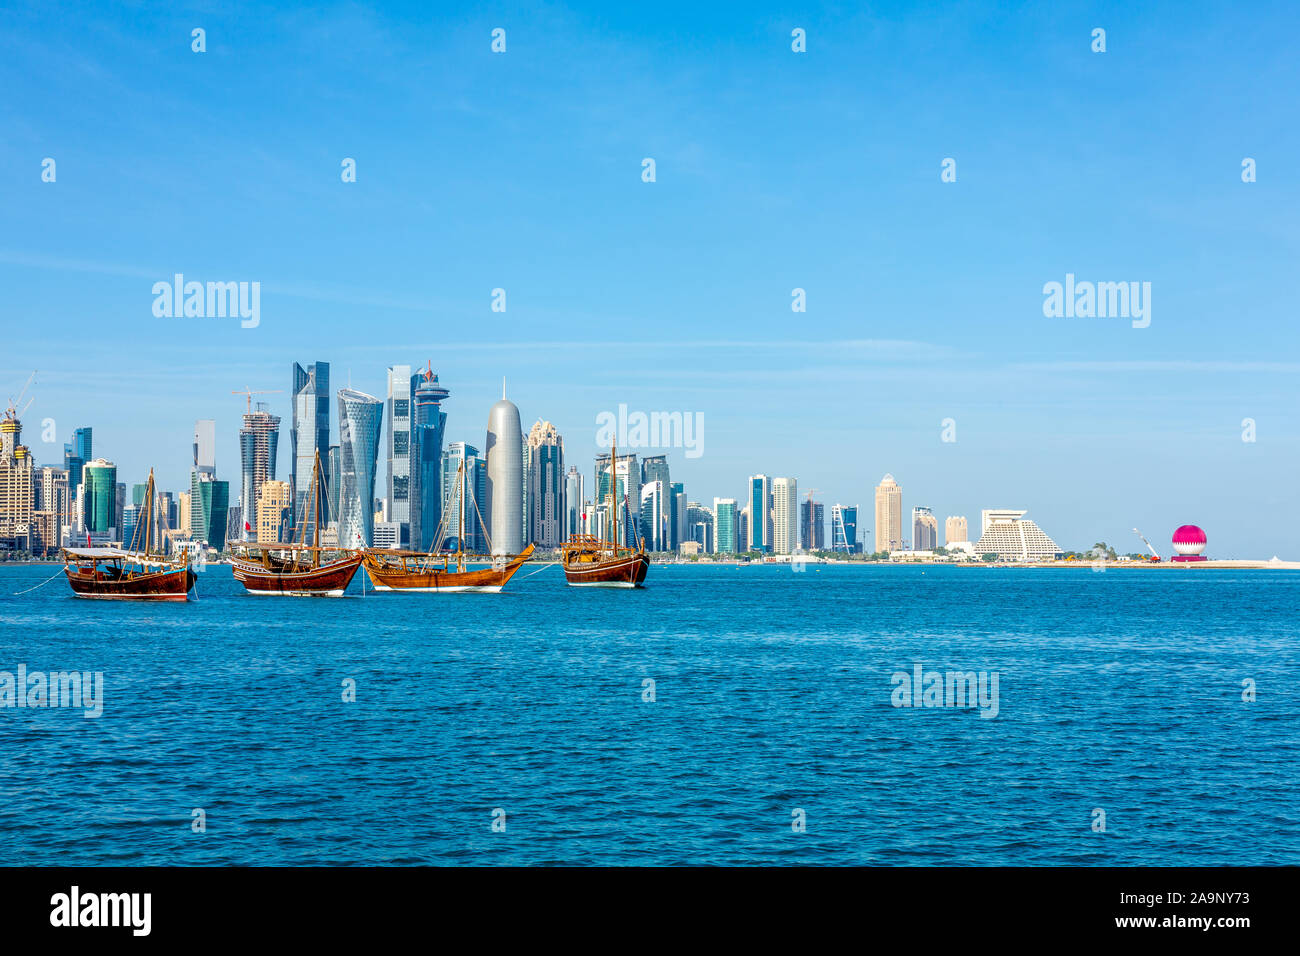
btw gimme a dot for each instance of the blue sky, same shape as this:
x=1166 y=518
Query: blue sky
x=775 y=170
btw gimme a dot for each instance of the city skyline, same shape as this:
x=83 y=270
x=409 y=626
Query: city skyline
x=264 y=437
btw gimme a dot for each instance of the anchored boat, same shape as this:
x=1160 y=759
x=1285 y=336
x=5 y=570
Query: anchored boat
x=392 y=570
x=596 y=563
x=434 y=571
x=297 y=569
x=129 y=574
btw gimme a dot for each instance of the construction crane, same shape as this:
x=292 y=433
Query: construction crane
x=249 y=393
x=1155 y=556
x=14 y=410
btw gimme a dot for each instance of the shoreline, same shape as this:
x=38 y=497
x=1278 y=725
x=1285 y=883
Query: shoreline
x=1224 y=564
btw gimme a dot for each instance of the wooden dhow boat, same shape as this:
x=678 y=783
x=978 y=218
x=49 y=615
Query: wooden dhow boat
x=297 y=569
x=129 y=573
x=439 y=571
x=591 y=562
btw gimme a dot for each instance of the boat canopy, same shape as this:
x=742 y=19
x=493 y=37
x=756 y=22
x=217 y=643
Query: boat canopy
x=112 y=553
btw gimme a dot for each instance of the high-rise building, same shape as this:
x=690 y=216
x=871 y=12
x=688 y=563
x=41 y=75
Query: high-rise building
x=101 y=509
x=258 y=440
x=210 y=511
x=759 y=504
x=574 y=501
x=925 y=529
x=53 y=505
x=397 y=447
x=725 y=515
x=889 y=515
x=526 y=462
x=592 y=520
x=360 y=421
x=655 y=468
x=52 y=508
x=333 y=464
x=234 y=522
x=75 y=455
x=785 y=515
x=17 y=485
x=131 y=520
x=1011 y=536
x=700 y=524
x=954 y=529
x=470 y=489
x=677 y=520
x=812 y=526
x=546 y=486
x=653 y=526
x=428 y=424
x=990 y=515
x=627 y=494
x=386 y=534
x=166 y=510
x=205 y=447
x=844 y=529
x=155 y=539
x=184 y=513
x=504 y=453
x=742 y=529
x=273 y=511
x=309 y=435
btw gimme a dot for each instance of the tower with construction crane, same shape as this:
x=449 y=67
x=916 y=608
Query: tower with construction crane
x=17 y=476
x=258 y=441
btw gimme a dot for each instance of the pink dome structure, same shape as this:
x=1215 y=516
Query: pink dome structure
x=1189 y=542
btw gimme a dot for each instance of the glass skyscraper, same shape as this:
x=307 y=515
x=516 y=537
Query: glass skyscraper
x=725 y=525
x=360 y=420
x=397 y=448
x=309 y=434
x=574 y=499
x=760 y=513
x=75 y=455
x=678 y=521
x=655 y=468
x=428 y=424
x=129 y=514
x=472 y=493
x=628 y=495
x=209 y=509
x=844 y=528
x=101 y=512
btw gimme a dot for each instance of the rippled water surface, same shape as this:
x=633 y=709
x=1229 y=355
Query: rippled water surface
x=1119 y=691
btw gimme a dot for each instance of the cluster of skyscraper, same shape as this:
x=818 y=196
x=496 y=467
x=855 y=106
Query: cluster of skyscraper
x=514 y=491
